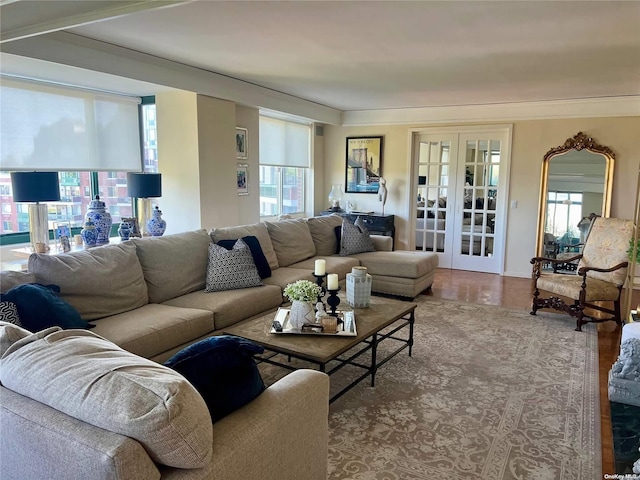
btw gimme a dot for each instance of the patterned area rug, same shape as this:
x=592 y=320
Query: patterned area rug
x=489 y=393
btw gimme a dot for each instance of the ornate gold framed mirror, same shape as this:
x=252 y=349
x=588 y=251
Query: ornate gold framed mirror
x=577 y=179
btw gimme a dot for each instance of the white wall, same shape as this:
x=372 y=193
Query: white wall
x=531 y=140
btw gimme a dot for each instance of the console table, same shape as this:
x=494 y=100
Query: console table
x=376 y=223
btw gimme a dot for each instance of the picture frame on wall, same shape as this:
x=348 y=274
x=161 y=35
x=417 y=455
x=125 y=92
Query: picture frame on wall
x=242 y=178
x=241 y=142
x=363 y=164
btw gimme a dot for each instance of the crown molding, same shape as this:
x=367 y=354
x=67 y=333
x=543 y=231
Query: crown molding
x=628 y=106
x=82 y=52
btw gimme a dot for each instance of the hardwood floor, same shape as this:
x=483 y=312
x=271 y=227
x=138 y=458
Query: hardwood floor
x=512 y=292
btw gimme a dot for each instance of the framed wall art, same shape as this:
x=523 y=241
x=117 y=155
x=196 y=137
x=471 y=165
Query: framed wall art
x=135 y=226
x=242 y=178
x=241 y=142
x=364 y=164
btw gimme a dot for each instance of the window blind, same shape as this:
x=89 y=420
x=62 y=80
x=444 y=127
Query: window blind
x=283 y=143
x=52 y=127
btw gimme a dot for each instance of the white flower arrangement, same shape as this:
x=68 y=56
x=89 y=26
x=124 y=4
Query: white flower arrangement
x=303 y=290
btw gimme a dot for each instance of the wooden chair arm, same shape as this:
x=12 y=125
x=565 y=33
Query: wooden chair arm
x=583 y=271
x=535 y=260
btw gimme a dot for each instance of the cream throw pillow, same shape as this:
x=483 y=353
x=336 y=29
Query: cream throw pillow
x=89 y=378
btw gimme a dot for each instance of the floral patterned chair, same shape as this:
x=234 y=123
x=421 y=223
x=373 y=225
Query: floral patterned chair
x=601 y=273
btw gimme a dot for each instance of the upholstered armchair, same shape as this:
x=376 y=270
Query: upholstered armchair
x=601 y=273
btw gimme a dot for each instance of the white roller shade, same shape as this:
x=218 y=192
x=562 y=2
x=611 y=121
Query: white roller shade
x=284 y=143
x=52 y=128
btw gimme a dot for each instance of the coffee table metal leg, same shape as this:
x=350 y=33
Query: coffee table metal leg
x=374 y=360
x=412 y=319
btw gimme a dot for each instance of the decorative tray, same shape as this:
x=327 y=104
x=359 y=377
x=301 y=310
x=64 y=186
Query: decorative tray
x=346 y=325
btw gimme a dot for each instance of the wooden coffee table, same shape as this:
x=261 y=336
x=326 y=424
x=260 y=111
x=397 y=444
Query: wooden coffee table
x=323 y=349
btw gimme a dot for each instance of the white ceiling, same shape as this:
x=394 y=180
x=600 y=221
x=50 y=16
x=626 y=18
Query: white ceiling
x=359 y=55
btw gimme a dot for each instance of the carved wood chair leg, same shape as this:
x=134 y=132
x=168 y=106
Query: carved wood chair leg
x=579 y=319
x=616 y=307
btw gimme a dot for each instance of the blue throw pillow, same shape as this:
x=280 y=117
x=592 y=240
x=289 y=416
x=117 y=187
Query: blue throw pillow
x=222 y=370
x=40 y=307
x=264 y=270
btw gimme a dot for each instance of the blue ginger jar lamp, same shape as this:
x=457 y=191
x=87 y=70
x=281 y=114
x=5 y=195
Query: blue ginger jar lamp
x=89 y=234
x=98 y=214
x=156 y=225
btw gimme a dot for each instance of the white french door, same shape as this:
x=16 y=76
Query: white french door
x=460 y=184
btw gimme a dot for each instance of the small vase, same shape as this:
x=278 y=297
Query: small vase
x=97 y=213
x=124 y=230
x=89 y=234
x=156 y=225
x=301 y=313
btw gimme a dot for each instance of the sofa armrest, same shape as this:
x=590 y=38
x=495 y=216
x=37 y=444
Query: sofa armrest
x=382 y=243
x=38 y=441
x=283 y=434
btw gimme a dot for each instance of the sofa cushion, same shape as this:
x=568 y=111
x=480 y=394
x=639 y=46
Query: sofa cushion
x=399 y=263
x=291 y=241
x=9 y=313
x=154 y=329
x=355 y=238
x=259 y=230
x=232 y=306
x=334 y=264
x=40 y=307
x=262 y=264
x=10 y=279
x=173 y=264
x=98 y=281
x=231 y=269
x=90 y=378
x=322 y=233
x=223 y=371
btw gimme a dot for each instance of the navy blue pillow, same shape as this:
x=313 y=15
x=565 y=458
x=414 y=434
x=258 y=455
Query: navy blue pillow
x=264 y=270
x=338 y=232
x=222 y=370
x=40 y=307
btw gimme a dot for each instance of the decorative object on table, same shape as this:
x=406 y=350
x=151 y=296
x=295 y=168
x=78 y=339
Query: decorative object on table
x=242 y=178
x=382 y=192
x=336 y=198
x=134 y=226
x=65 y=244
x=320 y=271
x=156 y=225
x=320 y=312
x=144 y=187
x=36 y=187
x=241 y=142
x=89 y=234
x=624 y=376
x=329 y=324
x=364 y=164
x=77 y=240
x=358 y=287
x=333 y=288
x=61 y=229
x=302 y=293
x=101 y=219
x=124 y=230
x=345 y=324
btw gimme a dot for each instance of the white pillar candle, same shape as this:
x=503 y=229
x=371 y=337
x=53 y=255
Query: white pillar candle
x=332 y=281
x=321 y=267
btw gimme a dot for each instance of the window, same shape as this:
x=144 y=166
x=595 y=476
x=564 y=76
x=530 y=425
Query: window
x=74 y=121
x=285 y=157
x=564 y=212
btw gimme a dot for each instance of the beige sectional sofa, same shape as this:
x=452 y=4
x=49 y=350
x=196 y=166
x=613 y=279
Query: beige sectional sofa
x=147 y=297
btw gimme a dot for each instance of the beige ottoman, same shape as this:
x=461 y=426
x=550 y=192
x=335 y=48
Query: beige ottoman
x=400 y=272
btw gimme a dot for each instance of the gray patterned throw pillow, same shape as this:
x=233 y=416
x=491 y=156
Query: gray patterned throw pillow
x=231 y=269
x=355 y=238
x=9 y=313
